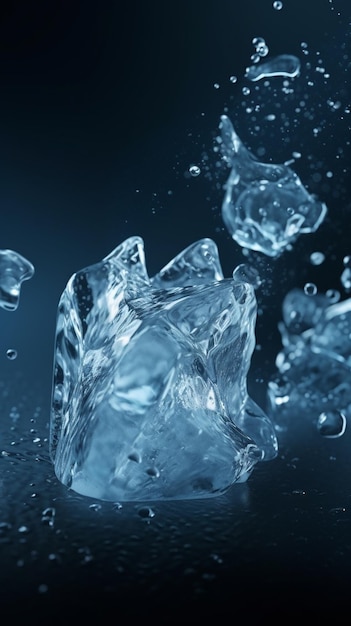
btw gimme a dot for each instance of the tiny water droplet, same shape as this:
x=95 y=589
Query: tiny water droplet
x=146 y=512
x=194 y=170
x=331 y=424
x=277 y=5
x=11 y=354
x=317 y=258
x=310 y=289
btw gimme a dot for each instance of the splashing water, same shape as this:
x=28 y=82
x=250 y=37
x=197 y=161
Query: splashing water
x=286 y=65
x=265 y=206
x=14 y=269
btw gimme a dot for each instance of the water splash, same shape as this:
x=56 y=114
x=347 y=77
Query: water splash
x=286 y=65
x=265 y=206
x=14 y=269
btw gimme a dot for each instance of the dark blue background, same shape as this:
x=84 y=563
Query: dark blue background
x=103 y=107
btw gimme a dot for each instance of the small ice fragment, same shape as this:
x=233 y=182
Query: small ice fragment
x=14 y=269
x=11 y=354
x=286 y=65
x=151 y=373
x=331 y=424
x=265 y=206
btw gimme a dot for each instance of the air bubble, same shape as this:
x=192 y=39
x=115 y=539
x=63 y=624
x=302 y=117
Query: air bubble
x=277 y=5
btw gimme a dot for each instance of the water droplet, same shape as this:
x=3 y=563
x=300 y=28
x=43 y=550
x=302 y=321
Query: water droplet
x=11 y=354
x=277 y=5
x=333 y=295
x=246 y=91
x=233 y=79
x=310 y=289
x=317 y=258
x=23 y=530
x=146 y=512
x=194 y=170
x=95 y=507
x=331 y=424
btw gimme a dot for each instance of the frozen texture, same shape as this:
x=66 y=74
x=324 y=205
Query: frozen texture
x=14 y=269
x=149 y=393
x=315 y=361
x=265 y=206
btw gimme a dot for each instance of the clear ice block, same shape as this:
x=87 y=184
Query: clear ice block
x=265 y=207
x=149 y=393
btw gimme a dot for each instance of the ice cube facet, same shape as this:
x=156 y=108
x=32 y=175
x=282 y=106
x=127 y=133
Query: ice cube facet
x=265 y=206
x=149 y=394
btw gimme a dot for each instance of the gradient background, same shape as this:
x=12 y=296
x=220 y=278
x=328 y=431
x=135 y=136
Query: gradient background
x=103 y=107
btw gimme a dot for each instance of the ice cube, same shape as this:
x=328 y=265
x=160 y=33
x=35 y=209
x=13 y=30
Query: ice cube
x=149 y=394
x=265 y=206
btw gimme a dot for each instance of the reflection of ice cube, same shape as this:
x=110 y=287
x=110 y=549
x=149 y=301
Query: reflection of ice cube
x=315 y=361
x=149 y=395
x=265 y=206
x=14 y=269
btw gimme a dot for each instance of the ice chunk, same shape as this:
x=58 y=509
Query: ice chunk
x=315 y=362
x=265 y=206
x=286 y=65
x=149 y=394
x=14 y=269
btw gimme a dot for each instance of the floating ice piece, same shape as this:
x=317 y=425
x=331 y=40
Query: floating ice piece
x=14 y=269
x=149 y=393
x=315 y=362
x=286 y=65
x=265 y=206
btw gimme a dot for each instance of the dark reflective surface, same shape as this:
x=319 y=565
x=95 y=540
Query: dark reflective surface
x=101 y=117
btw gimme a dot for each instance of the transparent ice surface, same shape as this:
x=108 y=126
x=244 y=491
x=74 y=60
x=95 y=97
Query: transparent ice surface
x=315 y=362
x=286 y=65
x=265 y=206
x=149 y=394
x=14 y=269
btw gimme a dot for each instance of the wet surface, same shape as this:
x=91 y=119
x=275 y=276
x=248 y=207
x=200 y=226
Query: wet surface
x=282 y=537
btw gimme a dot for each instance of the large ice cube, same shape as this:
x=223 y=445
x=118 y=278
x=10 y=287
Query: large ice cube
x=149 y=392
x=265 y=206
